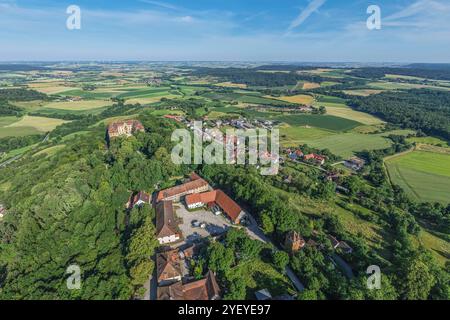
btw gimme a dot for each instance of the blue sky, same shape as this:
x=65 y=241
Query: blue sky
x=261 y=30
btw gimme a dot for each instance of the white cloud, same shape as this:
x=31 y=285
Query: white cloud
x=312 y=7
x=420 y=7
x=164 y=5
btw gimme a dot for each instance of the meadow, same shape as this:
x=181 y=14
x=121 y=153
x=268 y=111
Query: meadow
x=39 y=124
x=423 y=175
x=348 y=113
x=327 y=122
x=78 y=105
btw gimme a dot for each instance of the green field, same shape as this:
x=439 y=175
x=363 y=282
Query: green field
x=95 y=94
x=7 y=131
x=327 y=122
x=253 y=99
x=348 y=113
x=39 y=124
x=385 y=85
x=145 y=92
x=344 y=144
x=293 y=136
x=78 y=105
x=429 y=140
x=423 y=175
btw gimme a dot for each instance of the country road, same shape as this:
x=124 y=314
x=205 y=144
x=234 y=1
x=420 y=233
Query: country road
x=256 y=233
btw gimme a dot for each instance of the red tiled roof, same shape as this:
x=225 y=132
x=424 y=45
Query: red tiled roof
x=166 y=224
x=205 y=197
x=114 y=126
x=204 y=289
x=231 y=208
x=168 y=265
x=181 y=189
x=314 y=156
x=228 y=205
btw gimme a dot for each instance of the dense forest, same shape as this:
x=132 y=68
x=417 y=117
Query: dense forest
x=11 y=143
x=419 y=71
x=21 y=95
x=252 y=77
x=427 y=110
x=74 y=213
x=6 y=109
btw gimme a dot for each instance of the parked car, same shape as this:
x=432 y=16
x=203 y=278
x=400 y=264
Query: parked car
x=195 y=223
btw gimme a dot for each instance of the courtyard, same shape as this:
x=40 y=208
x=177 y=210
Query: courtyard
x=213 y=225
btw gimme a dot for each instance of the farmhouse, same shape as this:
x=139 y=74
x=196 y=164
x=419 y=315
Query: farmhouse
x=294 y=155
x=138 y=199
x=204 y=289
x=315 y=157
x=342 y=245
x=168 y=267
x=174 y=194
x=218 y=200
x=355 y=163
x=166 y=225
x=124 y=128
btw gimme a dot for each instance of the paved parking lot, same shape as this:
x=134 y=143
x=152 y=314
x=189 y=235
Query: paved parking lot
x=214 y=224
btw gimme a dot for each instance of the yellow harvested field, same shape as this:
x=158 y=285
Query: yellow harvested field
x=79 y=105
x=39 y=123
x=348 y=113
x=231 y=85
x=50 y=87
x=300 y=98
x=310 y=85
x=362 y=92
x=151 y=99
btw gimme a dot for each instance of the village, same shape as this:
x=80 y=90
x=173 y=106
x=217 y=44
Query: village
x=188 y=213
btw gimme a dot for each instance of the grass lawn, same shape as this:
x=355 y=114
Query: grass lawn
x=294 y=135
x=429 y=140
x=423 y=175
x=438 y=246
x=38 y=123
x=79 y=105
x=346 y=144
